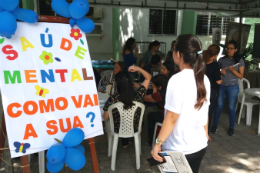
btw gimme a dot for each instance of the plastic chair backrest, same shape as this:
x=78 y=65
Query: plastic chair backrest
x=126 y=118
x=241 y=85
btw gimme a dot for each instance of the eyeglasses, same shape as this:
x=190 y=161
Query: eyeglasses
x=230 y=48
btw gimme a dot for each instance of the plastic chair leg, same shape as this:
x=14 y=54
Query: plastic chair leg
x=236 y=105
x=249 y=114
x=110 y=143
x=241 y=108
x=140 y=142
x=137 y=152
x=154 y=134
x=113 y=159
x=259 y=123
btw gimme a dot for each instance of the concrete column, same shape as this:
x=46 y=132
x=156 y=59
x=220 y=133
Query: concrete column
x=189 y=22
x=115 y=33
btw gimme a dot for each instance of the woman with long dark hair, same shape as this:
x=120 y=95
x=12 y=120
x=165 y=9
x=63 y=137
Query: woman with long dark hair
x=152 y=50
x=168 y=69
x=169 y=57
x=186 y=106
x=232 y=68
x=129 y=56
x=213 y=73
x=126 y=94
x=109 y=78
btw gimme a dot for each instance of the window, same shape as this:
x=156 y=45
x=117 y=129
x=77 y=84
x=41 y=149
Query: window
x=163 y=22
x=45 y=7
x=207 y=21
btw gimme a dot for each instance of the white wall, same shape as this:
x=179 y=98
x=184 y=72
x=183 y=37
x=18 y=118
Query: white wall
x=133 y=22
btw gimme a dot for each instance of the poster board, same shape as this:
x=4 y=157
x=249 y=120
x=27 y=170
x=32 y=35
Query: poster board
x=233 y=34
x=47 y=86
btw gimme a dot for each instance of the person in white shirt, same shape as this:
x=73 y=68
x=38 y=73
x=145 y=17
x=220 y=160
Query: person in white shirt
x=186 y=106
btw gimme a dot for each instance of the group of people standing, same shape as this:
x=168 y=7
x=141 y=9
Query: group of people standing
x=190 y=93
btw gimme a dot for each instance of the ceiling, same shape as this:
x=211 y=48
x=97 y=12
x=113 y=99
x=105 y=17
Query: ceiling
x=248 y=8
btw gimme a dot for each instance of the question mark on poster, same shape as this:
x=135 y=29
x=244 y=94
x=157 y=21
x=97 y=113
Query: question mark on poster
x=92 y=119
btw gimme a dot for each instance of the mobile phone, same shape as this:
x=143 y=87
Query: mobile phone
x=154 y=162
x=236 y=64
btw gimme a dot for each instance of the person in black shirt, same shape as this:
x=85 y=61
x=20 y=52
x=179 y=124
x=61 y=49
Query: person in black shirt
x=213 y=73
x=155 y=63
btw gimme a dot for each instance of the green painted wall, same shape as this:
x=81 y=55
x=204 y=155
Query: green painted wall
x=28 y=4
x=115 y=33
x=251 y=21
x=189 y=22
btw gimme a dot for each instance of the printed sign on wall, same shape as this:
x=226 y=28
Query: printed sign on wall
x=47 y=85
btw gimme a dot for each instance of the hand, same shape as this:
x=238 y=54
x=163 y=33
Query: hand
x=223 y=71
x=156 y=149
x=133 y=68
x=231 y=68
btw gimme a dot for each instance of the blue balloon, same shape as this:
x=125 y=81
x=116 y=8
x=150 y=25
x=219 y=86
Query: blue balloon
x=53 y=168
x=25 y=15
x=9 y=5
x=1 y=9
x=80 y=148
x=56 y=153
x=79 y=8
x=8 y=24
x=75 y=159
x=61 y=7
x=86 y=25
x=73 y=138
x=72 y=22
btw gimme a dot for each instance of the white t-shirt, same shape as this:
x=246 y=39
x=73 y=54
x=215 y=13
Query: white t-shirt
x=188 y=134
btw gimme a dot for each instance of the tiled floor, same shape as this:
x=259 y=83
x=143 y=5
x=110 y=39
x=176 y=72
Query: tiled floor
x=237 y=154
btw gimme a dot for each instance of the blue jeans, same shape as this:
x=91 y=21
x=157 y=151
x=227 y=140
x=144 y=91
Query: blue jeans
x=231 y=92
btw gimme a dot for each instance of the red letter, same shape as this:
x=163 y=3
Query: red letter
x=29 y=131
x=62 y=126
x=62 y=76
x=12 y=52
x=77 y=123
x=10 y=110
x=51 y=125
x=63 y=42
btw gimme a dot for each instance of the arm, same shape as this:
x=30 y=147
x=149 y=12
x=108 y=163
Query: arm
x=148 y=98
x=136 y=85
x=146 y=75
x=206 y=129
x=106 y=115
x=240 y=73
x=136 y=52
x=167 y=127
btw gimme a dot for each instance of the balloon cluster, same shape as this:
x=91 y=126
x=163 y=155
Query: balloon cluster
x=69 y=151
x=9 y=12
x=76 y=12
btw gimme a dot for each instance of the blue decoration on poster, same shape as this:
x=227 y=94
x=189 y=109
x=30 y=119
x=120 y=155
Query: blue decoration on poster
x=76 y=12
x=8 y=24
x=21 y=147
x=75 y=159
x=53 y=168
x=56 y=153
x=9 y=12
x=73 y=138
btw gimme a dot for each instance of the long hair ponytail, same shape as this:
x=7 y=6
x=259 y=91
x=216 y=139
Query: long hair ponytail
x=189 y=46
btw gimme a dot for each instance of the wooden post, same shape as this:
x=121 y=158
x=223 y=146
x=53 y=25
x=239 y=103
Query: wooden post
x=91 y=142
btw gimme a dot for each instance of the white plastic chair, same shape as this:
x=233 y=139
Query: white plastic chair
x=126 y=130
x=155 y=130
x=245 y=100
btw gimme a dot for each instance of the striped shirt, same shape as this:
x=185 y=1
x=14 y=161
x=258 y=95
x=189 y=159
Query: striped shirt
x=229 y=79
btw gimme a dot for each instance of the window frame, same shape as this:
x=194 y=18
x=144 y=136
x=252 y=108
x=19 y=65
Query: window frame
x=219 y=24
x=162 y=20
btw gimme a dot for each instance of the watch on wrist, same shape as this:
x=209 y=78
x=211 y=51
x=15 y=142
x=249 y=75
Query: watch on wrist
x=159 y=141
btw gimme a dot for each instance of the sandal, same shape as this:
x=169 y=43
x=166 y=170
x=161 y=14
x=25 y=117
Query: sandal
x=126 y=146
